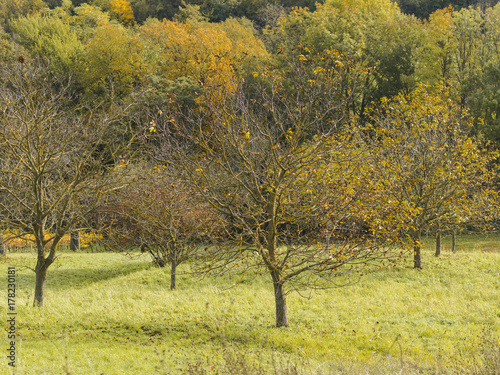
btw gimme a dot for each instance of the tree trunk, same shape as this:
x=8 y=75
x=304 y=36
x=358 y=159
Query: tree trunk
x=3 y=248
x=280 y=299
x=74 y=243
x=41 y=276
x=173 y=268
x=279 y=289
x=438 y=244
x=417 y=256
x=453 y=241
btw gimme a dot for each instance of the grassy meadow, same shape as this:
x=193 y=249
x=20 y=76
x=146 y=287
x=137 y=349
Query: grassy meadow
x=110 y=314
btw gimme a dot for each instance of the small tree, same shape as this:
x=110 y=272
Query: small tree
x=433 y=166
x=271 y=158
x=156 y=214
x=51 y=172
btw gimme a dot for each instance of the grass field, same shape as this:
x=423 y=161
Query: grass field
x=109 y=314
x=467 y=243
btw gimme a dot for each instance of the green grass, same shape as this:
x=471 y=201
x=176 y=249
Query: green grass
x=105 y=313
x=467 y=242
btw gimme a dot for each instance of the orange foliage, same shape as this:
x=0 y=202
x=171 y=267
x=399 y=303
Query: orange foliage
x=208 y=52
x=27 y=241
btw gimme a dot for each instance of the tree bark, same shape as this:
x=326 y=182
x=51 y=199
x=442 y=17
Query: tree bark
x=74 y=243
x=3 y=248
x=173 y=270
x=279 y=288
x=438 y=244
x=280 y=300
x=41 y=275
x=453 y=241
x=417 y=256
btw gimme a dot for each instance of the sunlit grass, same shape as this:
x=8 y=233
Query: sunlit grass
x=105 y=313
x=466 y=242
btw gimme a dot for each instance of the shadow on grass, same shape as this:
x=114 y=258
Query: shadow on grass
x=60 y=279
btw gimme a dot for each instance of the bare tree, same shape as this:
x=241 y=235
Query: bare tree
x=294 y=186
x=51 y=164
x=155 y=213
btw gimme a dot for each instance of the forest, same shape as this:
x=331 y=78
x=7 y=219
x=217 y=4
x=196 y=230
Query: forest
x=305 y=143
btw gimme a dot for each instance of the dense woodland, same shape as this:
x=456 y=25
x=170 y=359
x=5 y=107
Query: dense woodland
x=129 y=47
x=303 y=138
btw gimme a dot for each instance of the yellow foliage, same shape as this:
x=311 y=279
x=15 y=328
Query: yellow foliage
x=113 y=53
x=122 y=11
x=439 y=46
x=430 y=160
x=213 y=54
x=28 y=240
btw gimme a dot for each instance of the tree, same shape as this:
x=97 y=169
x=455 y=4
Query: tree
x=391 y=48
x=3 y=250
x=50 y=39
x=112 y=62
x=467 y=25
x=423 y=8
x=295 y=189
x=51 y=173
x=122 y=11
x=159 y=9
x=86 y=20
x=182 y=58
x=199 y=50
x=433 y=166
x=156 y=214
x=7 y=47
x=10 y=10
x=483 y=94
x=439 y=46
x=74 y=243
x=375 y=34
x=461 y=51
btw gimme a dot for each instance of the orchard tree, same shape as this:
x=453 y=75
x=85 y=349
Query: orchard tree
x=156 y=214
x=432 y=164
x=294 y=186
x=51 y=169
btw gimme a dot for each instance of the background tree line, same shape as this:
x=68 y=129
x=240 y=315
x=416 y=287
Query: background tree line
x=258 y=11
x=108 y=46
